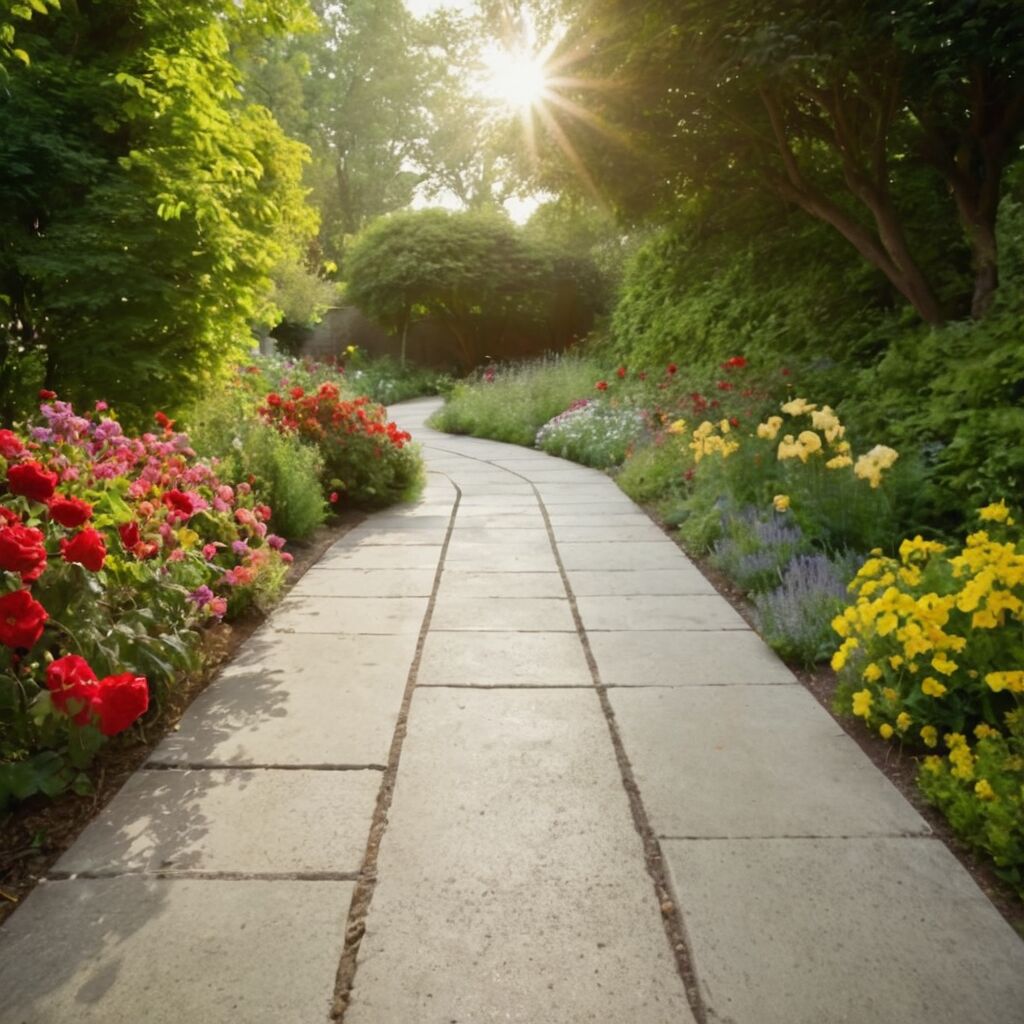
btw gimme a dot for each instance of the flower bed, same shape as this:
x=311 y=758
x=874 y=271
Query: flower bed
x=114 y=551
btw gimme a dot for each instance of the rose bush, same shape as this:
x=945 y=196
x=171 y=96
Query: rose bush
x=114 y=551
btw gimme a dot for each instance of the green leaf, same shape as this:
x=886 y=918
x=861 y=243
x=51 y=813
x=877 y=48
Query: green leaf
x=24 y=58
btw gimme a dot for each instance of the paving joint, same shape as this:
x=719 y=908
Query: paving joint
x=222 y=766
x=170 y=874
x=366 y=883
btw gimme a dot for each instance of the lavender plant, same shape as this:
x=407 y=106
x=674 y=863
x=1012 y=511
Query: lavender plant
x=755 y=547
x=795 y=617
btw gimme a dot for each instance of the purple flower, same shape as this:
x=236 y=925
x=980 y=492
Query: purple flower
x=201 y=596
x=240 y=548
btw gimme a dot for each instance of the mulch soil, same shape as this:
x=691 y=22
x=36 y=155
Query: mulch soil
x=38 y=831
x=898 y=766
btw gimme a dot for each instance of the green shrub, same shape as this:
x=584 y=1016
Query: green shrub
x=284 y=471
x=511 y=403
x=387 y=381
x=653 y=473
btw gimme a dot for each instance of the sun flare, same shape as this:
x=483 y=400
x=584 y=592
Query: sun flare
x=517 y=80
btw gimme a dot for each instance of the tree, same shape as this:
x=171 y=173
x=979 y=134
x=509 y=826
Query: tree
x=144 y=199
x=856 y=111
x=475 y=272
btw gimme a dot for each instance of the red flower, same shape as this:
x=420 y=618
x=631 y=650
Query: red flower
x=263 y=512
x=86 y=548
x=179 y=502
x=46 y=395
x=725 y=385
x=736 y=363
x=601 y=385
x=123 y=699
x=23 y=550
x=144 y=550
x=333 y=499
x=273 y=399
x=70 y=512
x=784 y=372
x=163 y=420
x=621 y=372
x=297 y=392
x=71 y=678
x=22 y=619
x=734 y=421
x=671 y=369
x=32 y=480
x=10 y=444
x=130 y=535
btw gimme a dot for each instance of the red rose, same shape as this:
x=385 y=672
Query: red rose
x=736 y=363
x=71 y=678
x=130 y=535
x=22 y=619
x=70 y=512
x=10 y=444
x=32 y=480
x=86 y=548
x=273 y=399
x=601 y=385
x=23 y=550
x=163 y=420
x=725 y=385
x=9 y=516
x=621 y=372
x=144 y=550
x=123 y=699
x=179 y=502
x=263 y=512
x=297 y=392
x=46 y=394
x=671 y=369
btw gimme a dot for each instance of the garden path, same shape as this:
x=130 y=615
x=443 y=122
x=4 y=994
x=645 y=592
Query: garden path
x=591 y=794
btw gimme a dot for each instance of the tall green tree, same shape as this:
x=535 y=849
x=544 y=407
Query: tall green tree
x=144 y=197
x=864 y=114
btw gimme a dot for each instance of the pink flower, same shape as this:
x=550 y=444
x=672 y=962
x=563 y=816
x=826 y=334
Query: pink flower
x=209 y=551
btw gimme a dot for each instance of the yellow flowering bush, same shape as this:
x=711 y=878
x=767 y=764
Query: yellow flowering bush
x=932 y=654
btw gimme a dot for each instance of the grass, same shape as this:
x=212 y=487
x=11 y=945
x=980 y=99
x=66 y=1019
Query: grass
x=511 y=403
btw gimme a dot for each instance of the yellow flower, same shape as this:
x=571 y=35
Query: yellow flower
x=942 y=664
x=781 y=502
x=1012 y=681
x=770 y=428
x=724 y=427
x=790 y=448
x=933 y=764
x=679 y=427
x=810 y=442
x=932 y=687
x=896 y=660
x=962 y=759
x=841 y=625
x=911 y=549
x=840 y=657
x=890 y=694
x=996 y=513
x=984 y=790
x=885 y=731
x=870 y=466
x=872 y=673
x=839 y=462
x=903 y=721
x=929 y=735
x=798 y=407
x=862 y=701
x=983 y=731
x=886 y=623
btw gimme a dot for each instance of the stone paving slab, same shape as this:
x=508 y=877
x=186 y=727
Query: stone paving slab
x=131 y=950
x=511 y=883
x=370 y=535
x=466 y=584
x=698 y=658
x=583 y=516
x=535 y=614
x=523 y=519
x=660 y=554
x=409 y=556
x=504 y=499
x=508 y=557
x=290 y=699
x=641 y=582
x=397 y=521
x=501 y=658
x=859 y=931
x=231 y=820
x=660 y=612
x=365 y=583
x=529 y=537
x=607 y=534
x=334 y=615
x=707 y=761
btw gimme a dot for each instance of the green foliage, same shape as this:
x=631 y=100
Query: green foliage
x=511 y=403
x=284 y=472
x=653 y=473
x=144 y=198
x=387 y=381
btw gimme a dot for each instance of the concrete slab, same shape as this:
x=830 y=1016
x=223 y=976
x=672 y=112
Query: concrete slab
x=131 y=949
x=503 y=659
x=670 y=658
x=231 y=820
x=505 y=498
x=462 y=583
x=680 y=611
x=293 y=700
x=365 y=536
x=709 y=762
x=607 y=534
x=600 y=583
x=508 y=557
x=582 y=516
x=531 y=537
x=365 y=583
x=397 y=521
x=506 y=521
x=512 y=884
x=334 y=615
x=535 y=614
x=410 y=556
x=661 y=554
x=864 y=931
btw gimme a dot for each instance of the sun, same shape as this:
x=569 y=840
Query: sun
x=515 y=79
